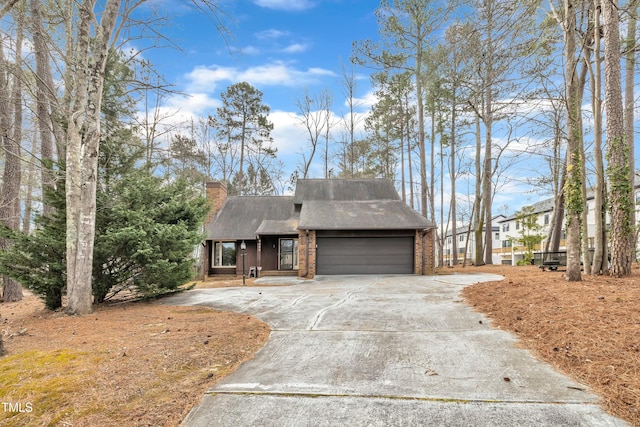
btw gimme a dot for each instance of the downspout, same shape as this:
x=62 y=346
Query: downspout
x=306 y=264
x=423 y=253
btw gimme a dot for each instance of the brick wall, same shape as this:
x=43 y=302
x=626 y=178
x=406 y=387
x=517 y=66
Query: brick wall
x=429 y=252
x=307 y=244
x=216 y=194
x=424 y=266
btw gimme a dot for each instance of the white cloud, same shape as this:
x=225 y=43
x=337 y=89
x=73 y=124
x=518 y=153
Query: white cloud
x=296 y=48
x=205 y=78
x=290 y=5
x=288 y=135
x=271 y=33
x=365 y=102
x=278 y=73
x=250 y=50
x=194 y=103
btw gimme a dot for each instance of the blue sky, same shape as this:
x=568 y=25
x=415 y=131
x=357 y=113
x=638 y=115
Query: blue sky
x=284 y=48
x=281 y=47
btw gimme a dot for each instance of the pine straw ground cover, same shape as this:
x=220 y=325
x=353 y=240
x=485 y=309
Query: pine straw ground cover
x=130 y=364
x=589 y=330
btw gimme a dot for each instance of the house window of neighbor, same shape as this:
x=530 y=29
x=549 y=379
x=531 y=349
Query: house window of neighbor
x=638 y=198
x=449 y=240
x=506 y=243
x=497 y=236
x=224 y=254
x=517 y=225
x=505 y=226
x=546 y=219
x=461 y=238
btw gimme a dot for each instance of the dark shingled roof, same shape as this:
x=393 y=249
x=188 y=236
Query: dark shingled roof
x=289 y=226
x=344 y=189
x=333 y=204
x=540 y=207
x=360 y=215
x=241 y=216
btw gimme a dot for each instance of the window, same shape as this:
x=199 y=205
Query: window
x=461 y=238
x=638 y=198
x=461 y=251
x=506 y=243
x=224 y=254
x=497 y=236
x=546 y=219
x=505 y=226
x=449 y=240
x=517 y=225
x=288 y=254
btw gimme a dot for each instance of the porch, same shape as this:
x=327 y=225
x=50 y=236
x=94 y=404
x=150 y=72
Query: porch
x=274 y=255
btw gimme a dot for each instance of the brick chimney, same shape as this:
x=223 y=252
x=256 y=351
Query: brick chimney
x=216 y=194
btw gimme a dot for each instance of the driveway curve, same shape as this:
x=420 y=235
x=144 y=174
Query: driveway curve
x=384 y=351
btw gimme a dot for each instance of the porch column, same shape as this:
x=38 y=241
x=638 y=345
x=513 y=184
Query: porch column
x=258 y=254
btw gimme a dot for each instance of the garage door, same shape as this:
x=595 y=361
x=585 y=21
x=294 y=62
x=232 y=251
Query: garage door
x=364 y=255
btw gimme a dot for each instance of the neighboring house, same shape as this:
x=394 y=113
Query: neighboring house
x=508 y=253
x=462 y=234
x=329 y=226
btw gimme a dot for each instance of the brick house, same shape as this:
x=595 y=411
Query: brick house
x=329 y=226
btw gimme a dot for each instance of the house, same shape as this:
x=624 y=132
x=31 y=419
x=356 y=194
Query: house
x=465 y=236
x=510 y=253
x=510 y=227
x=329 y=226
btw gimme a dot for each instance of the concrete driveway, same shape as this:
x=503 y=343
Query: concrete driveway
x=384 y=351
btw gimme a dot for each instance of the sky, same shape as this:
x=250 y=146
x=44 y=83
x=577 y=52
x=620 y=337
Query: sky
x=284 y=48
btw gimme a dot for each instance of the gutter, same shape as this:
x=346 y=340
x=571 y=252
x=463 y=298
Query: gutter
x=306 y=264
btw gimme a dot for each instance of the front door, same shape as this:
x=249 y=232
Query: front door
x=288 y=254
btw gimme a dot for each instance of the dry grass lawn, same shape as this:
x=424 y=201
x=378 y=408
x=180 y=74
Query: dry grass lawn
x=131 y=364
x=145 y=364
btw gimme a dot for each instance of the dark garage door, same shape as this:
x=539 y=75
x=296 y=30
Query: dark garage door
x=364 y=255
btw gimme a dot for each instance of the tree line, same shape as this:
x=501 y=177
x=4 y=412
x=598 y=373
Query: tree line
x=520 y=70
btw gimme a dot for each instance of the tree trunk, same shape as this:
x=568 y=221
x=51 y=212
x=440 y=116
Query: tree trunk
x=573 y=187
x=621 y=200
x=82 y=153
x=584 y=229
x=599 y=264
x=410 y=162
x=421 y=139
x=432 y=200
x=487 y=192
x=28 y=197
x=11 y=134
x=555 y=230
x=629 y=99
x=477 y=204
x=44 y=94
x=454 y=228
